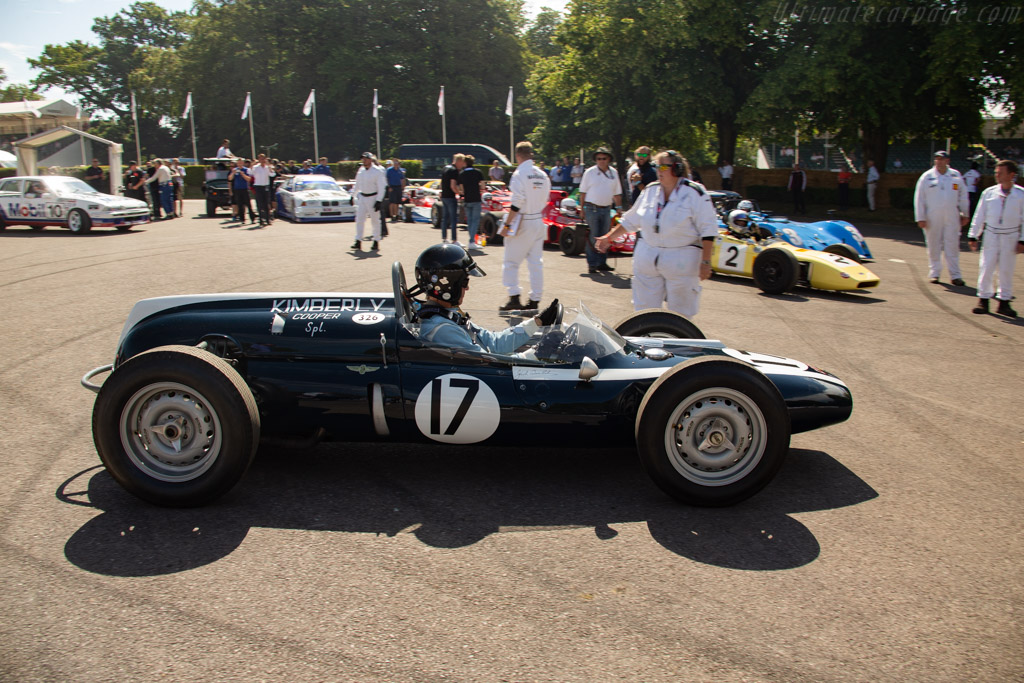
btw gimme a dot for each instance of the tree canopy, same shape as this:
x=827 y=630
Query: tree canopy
x=698 y=75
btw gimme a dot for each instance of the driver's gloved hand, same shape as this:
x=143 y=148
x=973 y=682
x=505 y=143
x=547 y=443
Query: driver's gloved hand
x=376 y=206
x=547 y=317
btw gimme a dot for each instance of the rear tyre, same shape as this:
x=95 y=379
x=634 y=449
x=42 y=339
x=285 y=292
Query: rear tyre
x=37 y=228
x=712 y=432
x=489 y=229
x=844 y=250
x=435 y=215
x=573 y=239
x=176 y=426
x=776 y=271
x=656 y=322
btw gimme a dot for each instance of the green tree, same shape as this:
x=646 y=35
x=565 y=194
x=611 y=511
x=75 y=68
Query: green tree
x=136 y=52
x=870 y=72
x=16 y=92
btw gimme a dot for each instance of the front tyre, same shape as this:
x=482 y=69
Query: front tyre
x=176 y=426
x=844 y=250
x=657 y=322
x=712 y=432
x=79 y=222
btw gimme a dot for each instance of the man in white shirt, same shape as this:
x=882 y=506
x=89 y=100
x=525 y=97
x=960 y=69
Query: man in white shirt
x=940 y=209
x=224 y=152
x=369 y=193
x=577 y=172
x=871 y=183
x=162 y=177
x=1000 y=218
x=725 y=170
x=971 y=178
x=524 y=229
x=600 y=189
x=262 y=178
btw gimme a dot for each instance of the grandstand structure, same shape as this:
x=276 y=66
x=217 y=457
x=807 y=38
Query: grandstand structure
x=905 y=156
x=21 y=120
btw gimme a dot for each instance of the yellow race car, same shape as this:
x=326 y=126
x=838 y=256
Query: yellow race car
x=777 y=266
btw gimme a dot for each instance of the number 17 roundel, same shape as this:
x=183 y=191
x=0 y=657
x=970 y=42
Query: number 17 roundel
x=457 y=408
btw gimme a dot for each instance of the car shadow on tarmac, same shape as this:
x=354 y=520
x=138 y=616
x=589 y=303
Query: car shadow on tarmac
x=453 y=501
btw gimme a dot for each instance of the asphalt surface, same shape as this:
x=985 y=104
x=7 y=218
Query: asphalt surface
x=888 y=548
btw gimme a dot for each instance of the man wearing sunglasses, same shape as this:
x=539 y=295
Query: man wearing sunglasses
x=642 y=174
x=676 y=227
x=599 y=191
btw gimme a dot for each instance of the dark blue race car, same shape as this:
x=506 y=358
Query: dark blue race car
x=196 y=380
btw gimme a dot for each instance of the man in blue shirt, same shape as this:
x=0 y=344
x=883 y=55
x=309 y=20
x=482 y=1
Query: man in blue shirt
x=322 y=168
x=396 y=183
x=442 y=274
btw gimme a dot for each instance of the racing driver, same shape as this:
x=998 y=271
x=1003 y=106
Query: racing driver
x=442 y=274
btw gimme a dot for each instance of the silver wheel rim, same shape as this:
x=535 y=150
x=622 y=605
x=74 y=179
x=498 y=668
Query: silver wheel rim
x=716 y=437
x=74 y=221
x=170 y=432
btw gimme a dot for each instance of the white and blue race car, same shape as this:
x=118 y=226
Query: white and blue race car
x=39 y=201
x=314 y=199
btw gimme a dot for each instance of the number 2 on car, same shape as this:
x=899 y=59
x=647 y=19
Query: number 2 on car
x=732 y=257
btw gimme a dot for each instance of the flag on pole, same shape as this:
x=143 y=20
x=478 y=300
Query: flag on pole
x=188 y=106
x=375 y=105
x=248 y=105
x=135 y=116
x=440 y=102
x=78 y=113
x=307 y=108
x=508 y=105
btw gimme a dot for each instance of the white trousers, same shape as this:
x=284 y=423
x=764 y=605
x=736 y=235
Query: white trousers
x=871 y=194
x=364 y=211
x=527 y=245
x=666 y=274
x=943 y=237
x=998 y=255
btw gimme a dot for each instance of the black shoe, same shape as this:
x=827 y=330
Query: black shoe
x=513 y=304
x=1004 y=309
x=355 y=245
x=605 y=268
x=933 y=280
x=981 y=308
x=533 y=305
x=593 y=270
x=375 y=247
x=959 y=282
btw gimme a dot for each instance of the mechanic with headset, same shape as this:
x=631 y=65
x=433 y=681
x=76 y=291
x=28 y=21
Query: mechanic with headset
x=442 y=274
x=676 y=227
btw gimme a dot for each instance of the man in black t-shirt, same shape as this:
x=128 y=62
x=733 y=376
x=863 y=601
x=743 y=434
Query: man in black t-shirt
x=134 y=179
x=449 y=203
x=471 y=183
x=94 y=176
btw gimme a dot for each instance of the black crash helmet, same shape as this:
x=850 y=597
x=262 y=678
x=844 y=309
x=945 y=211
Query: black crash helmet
x=441 y=270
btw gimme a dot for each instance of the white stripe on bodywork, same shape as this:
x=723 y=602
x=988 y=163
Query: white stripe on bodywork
x=629 y=374
x=147 y=307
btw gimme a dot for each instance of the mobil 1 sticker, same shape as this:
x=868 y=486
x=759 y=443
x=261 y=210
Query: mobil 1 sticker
x=457 y=408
